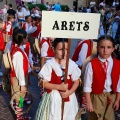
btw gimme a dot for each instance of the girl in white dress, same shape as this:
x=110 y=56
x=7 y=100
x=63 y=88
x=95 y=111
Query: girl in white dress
x=52 y=74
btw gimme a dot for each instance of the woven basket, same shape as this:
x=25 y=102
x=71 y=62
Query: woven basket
x=83 y=111
x=13 y=99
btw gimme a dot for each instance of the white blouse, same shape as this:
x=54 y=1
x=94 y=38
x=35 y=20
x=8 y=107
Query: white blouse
x=51 y=64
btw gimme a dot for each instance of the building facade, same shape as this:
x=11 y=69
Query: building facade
x=6 y=2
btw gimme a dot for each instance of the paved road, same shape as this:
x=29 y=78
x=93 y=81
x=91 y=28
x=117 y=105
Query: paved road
x=5 y=111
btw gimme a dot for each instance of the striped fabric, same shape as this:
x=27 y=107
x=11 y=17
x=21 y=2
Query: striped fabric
x=43 y=108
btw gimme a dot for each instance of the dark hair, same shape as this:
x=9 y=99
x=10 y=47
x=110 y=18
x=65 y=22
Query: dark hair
x=10 y=5
x=57 y=40
x=106 y=37
x=19 y=9
x=19 y=35
x=35 y=18
x=26 y=17
x=14 y=32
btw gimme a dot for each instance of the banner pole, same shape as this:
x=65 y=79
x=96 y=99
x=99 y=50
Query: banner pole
x=66 y=73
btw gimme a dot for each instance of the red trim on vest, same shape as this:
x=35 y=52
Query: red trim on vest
x=25 y=61
x=24 y=26
x=9 y=33
x=99 y=76
x=50 y=52
x=57 y=80
x=2 y=45
x=27 y=48
x=78 y=49
x=36 y=33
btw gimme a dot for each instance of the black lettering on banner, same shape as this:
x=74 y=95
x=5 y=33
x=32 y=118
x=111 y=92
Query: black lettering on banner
x=86 y=27
x=71 y=26
x=79 y=23
x=72 y=23
x=64 y=25
x=56 y=26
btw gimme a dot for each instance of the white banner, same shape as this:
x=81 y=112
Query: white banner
x=70 y=25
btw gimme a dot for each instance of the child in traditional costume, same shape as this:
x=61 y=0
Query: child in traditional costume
x=19 y=71
x=46 y=53
x=50 y=107
x=82 y=51
x=102 y=81
x=8 y=30
x=10 y=45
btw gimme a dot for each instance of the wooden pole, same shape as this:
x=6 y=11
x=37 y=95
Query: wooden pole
x=66 y=73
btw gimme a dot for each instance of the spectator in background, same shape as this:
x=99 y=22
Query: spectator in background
x=102 y=12
x=47 y=5
x=88 y=10
x=57 y=7
x=37 y=11
x=11 y=11
x=20 y=14
x=102 y=4
x=72 y=9
x=92 y=3
x=115 y=3
x=84 y=10
x=27 y=12
x=53 y=8
x=92 y=10
x=23 y=5
x=4 y=10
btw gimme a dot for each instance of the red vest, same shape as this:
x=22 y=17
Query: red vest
x=24 y=26
x=25 y=61
x=78 y=49
x=36 y=33
x=57 y=80
x=2 y=45
x=50 y=52
x=9 y=33
x=99 y=76
x=27 y=48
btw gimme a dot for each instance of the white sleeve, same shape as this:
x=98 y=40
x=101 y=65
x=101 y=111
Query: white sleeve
x=28 y=28
x=8 y=46
x=82 y=55
x=118 y=85
x=88 y=78
x=76 y=73
x=30 y=57
x=8 y=27
x=18 y=67
x=45 y=72
x=31 y=29
x=44 y=49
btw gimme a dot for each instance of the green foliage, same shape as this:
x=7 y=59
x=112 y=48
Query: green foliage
x=65 y=8
x=1 y=0
x=41 y=6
